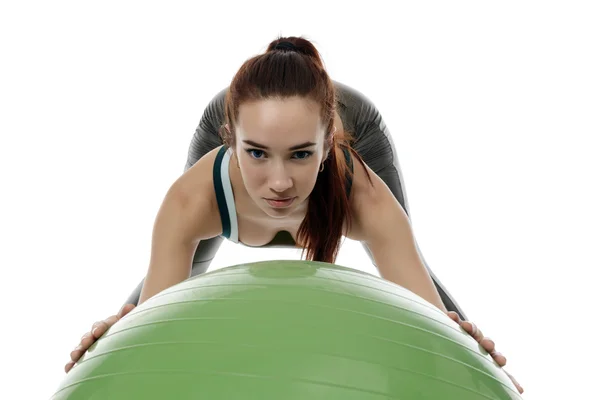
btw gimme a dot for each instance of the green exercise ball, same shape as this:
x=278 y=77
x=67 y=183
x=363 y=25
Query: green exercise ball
x=286 y=330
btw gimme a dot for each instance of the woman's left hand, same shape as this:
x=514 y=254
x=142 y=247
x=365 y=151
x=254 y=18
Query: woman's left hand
x=485 y=342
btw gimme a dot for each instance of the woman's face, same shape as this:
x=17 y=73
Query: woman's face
x=280 y=147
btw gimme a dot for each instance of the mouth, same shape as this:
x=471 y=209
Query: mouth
x=280 y=202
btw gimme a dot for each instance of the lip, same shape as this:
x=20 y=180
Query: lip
x=280 y=203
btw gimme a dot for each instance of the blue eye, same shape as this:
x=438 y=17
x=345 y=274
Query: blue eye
x=255 y=153
x=306 y=154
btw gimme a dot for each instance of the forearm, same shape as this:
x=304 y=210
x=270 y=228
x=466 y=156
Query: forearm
x=158 y=280
x=415 y=279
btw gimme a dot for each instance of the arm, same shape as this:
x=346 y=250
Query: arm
x=187 y=215
x=382 y=224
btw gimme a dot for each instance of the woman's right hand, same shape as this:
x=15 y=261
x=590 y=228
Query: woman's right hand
x=98 y=329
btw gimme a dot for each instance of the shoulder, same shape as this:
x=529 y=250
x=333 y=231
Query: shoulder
x=357 y=111
x=193 y=196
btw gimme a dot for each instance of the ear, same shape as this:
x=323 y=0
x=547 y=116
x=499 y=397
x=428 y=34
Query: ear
x=228 y=132
x=325 y=154
x=328 y=147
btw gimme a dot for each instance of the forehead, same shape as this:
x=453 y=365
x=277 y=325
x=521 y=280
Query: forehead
x=280 y=120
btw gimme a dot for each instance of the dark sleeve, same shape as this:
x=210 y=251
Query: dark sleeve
x=206 y=137
x=374 y=143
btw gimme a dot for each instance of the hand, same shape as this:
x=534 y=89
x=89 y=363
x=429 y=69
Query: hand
x=98 y=329
x=486 y=343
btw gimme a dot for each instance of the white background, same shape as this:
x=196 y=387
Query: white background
x=494 y=109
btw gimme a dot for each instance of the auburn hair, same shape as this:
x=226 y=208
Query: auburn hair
x=298 y=70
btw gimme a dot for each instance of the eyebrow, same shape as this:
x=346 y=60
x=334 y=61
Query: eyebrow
x=296 y=147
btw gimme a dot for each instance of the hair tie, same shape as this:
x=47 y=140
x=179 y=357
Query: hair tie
x=286 y=46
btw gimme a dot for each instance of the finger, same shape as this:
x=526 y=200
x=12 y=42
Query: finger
x=514 y=381
x=488 y=344
x=454 y=317
x=112 y=318
x=68 y=366
x=499 y=358
x=99 y=329
x=473 y=330
x=95 y=325
x=76 y=353
x=125 y=310
x=87 y=341
x=102 y=326
x=110 y=321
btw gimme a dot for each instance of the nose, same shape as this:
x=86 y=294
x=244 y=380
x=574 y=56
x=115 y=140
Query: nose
x=280 y=179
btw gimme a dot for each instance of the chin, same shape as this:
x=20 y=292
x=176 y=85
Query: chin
x=277 y=213
x=284 y=212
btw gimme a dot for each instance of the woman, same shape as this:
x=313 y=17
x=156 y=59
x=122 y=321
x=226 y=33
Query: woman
x=286 y=168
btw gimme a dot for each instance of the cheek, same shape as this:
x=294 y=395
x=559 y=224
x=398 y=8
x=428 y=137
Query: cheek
x=253 y=176
x=307 y=178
